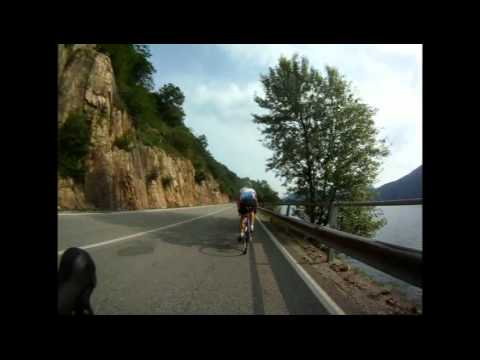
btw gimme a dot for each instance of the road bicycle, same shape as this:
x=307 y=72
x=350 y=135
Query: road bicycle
x=247 y=231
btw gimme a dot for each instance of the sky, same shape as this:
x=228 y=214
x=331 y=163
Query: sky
x=219 y=82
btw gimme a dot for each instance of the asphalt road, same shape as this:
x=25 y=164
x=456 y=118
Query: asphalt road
x=195 y=267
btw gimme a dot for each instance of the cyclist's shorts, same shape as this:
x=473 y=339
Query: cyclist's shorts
x=247 y=205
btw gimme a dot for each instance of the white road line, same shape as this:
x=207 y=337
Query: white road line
x=319 y=293
x=136 y=211
x=108 y=242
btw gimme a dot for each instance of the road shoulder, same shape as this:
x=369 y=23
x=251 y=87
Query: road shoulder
x=351 y=290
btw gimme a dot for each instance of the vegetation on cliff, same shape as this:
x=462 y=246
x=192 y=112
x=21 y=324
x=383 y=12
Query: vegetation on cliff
x=73 y=146
x=159 y=119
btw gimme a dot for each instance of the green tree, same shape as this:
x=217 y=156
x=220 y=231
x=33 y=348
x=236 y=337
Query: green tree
x=134 y=78
x=131 y=64
x=265 y=194
x=323 y=138
x=360 y=220
x=203 y=142
x=169 y=100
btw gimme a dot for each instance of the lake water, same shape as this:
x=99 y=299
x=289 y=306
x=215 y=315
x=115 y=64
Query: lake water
x=403 y=228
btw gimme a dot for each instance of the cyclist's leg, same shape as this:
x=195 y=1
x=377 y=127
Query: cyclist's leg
x=243 y=213
x=254 y=213
x=241 y=223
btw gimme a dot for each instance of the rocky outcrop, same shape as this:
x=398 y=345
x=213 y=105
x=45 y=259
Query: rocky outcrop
x=143 y=177
x=71 y=195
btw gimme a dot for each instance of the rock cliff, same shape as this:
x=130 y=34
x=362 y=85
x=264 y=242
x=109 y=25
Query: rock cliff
x=144 y=177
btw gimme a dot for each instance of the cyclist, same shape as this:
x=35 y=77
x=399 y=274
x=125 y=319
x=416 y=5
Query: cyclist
x=247 y=205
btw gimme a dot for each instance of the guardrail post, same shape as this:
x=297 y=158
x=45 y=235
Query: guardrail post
x=332 y=223
x=288 y=214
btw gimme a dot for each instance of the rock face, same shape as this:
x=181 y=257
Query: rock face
x=71 y=196
x=115 y=178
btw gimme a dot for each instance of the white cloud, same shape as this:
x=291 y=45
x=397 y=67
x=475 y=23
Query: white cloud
x=388 y=77
x=223 y=111
x=229 y=98
x=409 y=50
x=237 y=145
x=263 y=54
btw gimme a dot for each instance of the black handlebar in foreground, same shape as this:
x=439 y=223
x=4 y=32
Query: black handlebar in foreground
x=76 y=281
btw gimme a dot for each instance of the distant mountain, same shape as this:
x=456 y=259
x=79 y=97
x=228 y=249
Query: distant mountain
x=407 y=187
x=293 y=197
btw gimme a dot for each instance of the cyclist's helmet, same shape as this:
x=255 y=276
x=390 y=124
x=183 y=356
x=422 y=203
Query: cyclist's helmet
x=247 y=192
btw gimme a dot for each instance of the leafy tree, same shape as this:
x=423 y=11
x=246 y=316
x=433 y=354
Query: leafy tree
x=134 y=78
x=265 y=193
x=203 y=142
x=359 y=221
x=323 y=138
x=169 y=100
x=130 y=63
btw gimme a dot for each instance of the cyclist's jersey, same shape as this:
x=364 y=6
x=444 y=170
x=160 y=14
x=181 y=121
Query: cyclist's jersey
x=247 y=194
x=247 y=200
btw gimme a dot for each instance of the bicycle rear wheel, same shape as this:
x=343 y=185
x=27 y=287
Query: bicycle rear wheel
x=245 y=245
x=246 y=237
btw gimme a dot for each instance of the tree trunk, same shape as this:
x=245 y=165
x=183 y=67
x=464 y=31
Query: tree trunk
x=324 y=190
x=308 y=155
x=312 y=200
x=331 y=200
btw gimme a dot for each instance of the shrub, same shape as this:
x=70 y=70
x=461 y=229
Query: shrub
x=73 y=146
x=221 y=187
x=200 y=177
x=179 y=139
x=140 y=104
x=149 y=136
x=125 y=142
x=167 y=181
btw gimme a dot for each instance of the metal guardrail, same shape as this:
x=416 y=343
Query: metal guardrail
x=416 y=201
x=336 y=204
x=400 y=262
